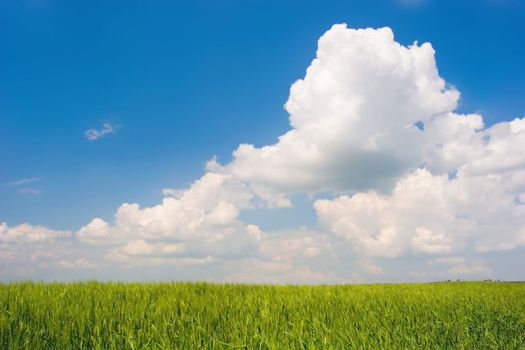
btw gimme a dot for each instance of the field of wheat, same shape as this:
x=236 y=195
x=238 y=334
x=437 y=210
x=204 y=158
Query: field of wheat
x=93 y=315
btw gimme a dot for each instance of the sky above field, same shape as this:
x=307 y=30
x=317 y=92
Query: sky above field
x=262 y=141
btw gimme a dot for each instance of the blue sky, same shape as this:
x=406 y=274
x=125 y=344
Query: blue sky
x=183 y=81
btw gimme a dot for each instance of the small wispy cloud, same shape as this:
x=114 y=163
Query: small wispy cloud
x=31 y=191
x=95 y=134
x=22 y=181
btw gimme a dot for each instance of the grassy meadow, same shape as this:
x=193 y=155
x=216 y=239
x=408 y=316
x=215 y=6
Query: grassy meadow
x=93 y=315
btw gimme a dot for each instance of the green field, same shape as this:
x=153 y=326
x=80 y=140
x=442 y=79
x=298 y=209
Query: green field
x=92 y=315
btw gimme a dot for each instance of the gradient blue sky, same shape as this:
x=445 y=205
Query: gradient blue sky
x=189 y=80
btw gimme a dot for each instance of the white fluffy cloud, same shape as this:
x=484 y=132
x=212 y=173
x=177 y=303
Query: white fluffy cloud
x=479 y=207
x=296 y=245
x=26 y=233
x=373 y=128
x=352 y=117
x=27 y=249
x=431 y=214
x=199 y=222
x=374 y=119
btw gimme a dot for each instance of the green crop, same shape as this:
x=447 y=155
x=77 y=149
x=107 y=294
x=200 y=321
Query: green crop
x=181 y=315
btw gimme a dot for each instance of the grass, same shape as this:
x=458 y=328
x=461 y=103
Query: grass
x=93 y=315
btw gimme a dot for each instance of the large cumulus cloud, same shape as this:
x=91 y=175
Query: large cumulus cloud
x=199 y=222
x=353 y=118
